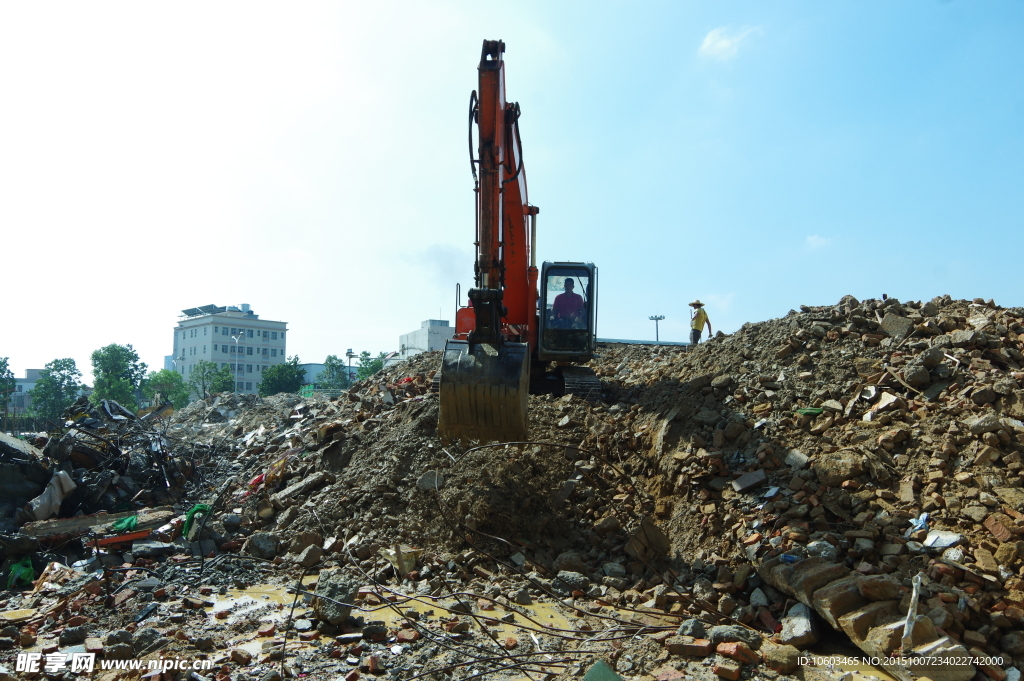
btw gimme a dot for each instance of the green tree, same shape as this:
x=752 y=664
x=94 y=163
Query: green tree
x=335 y=374
x=224 y=381
x=7 y=383
x=56 y=388
x=282 y=378
x=170 y=384
x=368 y=366
x=118 y=374
x=206 y=378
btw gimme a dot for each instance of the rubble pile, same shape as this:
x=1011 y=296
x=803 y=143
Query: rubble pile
x=854 y=468
x=862 y=441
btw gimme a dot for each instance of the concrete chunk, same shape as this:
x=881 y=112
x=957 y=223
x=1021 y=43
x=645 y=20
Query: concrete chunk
x=896 y=326
x=303 y=486
x=806 y=580
x=838 y=598
x=798 y=627
x=856 y=624
x=749 y=481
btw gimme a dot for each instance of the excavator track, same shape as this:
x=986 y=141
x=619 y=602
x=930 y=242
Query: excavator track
x=582 y=382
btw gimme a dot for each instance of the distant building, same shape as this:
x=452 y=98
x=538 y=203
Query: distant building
x=229 y=336
x=313 y=372
x=20 y=400
x=431 y=335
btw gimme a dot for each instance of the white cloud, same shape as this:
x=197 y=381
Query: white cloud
x=722 y=44
x=814 y=242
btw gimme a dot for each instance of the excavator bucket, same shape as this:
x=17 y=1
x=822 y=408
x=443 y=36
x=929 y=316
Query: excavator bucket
x=484 y=392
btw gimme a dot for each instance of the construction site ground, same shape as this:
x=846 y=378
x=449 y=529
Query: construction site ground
x=841 y=482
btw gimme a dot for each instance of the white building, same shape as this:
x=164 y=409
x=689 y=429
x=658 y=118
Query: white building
x=431 y=335
x=20 y=400
x=229 y=336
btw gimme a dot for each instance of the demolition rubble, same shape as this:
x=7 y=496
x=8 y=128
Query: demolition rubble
x=845 y=478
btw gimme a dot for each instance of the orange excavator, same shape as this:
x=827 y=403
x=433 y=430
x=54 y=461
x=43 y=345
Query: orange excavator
x=513 y=337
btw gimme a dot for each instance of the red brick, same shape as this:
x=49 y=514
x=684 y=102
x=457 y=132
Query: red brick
x=121 y=597
x=994 y=524
x=407 y=635
x=739 y=651
x=684 y=645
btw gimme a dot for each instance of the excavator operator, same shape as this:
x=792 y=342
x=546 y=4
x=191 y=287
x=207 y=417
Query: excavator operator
x=569 y=308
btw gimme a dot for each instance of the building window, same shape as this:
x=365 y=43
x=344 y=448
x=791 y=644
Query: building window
x=273 y=352
x=224 y=331
x=204 y=349
x=248 y=385
x=216 y=329
x=264 y=351
x=205 y=329
x=282 y=335
x=248 y=368
x=249 y=333
x=273 y=335
x=248 y=351
x=232 y=349
x=223 y=364
x=240 y=384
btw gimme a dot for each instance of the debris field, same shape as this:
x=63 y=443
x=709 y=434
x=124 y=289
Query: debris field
x=844 y=473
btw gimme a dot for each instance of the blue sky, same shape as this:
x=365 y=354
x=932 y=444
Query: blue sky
x=310 y=160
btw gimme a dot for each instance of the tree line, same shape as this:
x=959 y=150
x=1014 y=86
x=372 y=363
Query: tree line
x=121 y=376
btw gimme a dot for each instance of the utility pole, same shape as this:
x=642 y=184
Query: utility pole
x=656 y=318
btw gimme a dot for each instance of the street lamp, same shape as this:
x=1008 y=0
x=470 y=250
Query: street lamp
x=236 y=338
x=656 y=318
x=350 y=355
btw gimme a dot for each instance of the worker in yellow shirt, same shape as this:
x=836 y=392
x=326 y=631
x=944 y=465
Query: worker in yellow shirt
x=698 y=318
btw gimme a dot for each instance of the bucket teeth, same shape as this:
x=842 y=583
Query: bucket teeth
x=484 y=392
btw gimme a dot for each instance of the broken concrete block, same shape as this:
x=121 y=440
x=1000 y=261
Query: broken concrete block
x=896 y=326
x=834 y=468
x=880 y=588
x=782 y=659
x=798 y=628
x=335 y=593
x=749 y=481
x=838 y=598
x=649 y=541
x=808 y=577
x=856 y=624
x=308 y=484
x=262 y=545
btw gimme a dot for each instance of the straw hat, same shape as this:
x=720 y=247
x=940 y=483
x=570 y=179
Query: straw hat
x=696 y=303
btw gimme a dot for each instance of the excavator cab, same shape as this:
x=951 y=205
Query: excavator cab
x=568 y=312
